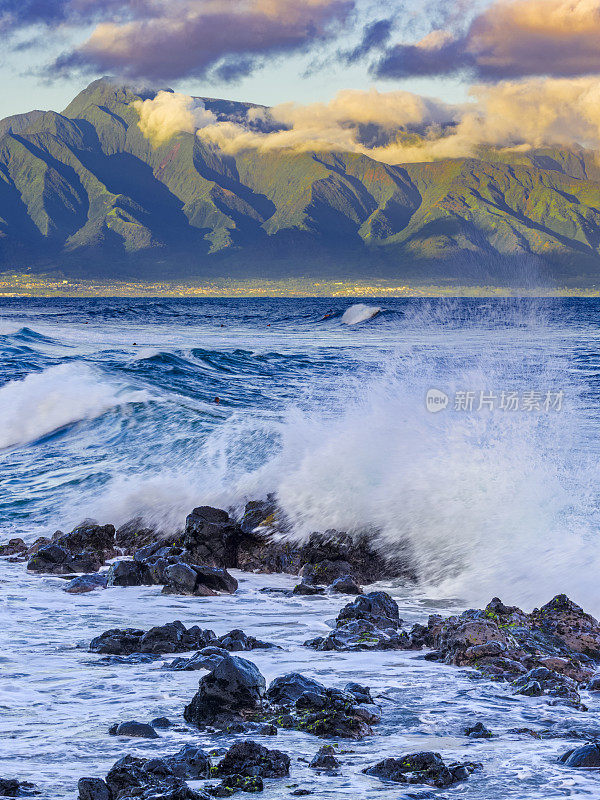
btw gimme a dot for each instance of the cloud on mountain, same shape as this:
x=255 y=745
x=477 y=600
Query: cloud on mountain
x=398 y=127
x=509 y=39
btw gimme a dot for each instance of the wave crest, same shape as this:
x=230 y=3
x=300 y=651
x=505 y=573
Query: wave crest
x=47 y=401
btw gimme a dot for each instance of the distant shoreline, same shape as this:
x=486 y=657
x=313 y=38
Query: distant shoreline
x=28 y=285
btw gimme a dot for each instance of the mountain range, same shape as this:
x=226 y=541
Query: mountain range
x=85 y=193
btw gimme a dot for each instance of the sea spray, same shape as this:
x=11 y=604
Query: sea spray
x=46 y=401
x=485 y=501
x=359 y=313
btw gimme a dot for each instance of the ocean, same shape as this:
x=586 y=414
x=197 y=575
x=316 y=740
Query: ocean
x=463 y=434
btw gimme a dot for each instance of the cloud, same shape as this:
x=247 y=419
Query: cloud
x=402 y=127
x=375 y=36
x=509 y=39
x=166 y=40
x=170 y=113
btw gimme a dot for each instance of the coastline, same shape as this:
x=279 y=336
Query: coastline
x=31 y=285
x=504 y=690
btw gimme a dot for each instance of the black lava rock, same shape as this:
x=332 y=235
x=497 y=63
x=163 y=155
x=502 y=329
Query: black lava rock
x=234 y=685
x=132 y=728
x=87 y=583
x=289 y=687
x=173 y=637
x=586 y=757
x=478 y=731
x=93 y=789
x=426 y=767
x=325 y=759
x=249 y=759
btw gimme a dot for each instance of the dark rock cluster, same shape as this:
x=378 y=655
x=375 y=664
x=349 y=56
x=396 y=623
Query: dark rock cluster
x=85 y=549
x=426 y=768
x=552 y=652
x=150 y=779
x=371 y=622
x=173 y=637
x=234 y=696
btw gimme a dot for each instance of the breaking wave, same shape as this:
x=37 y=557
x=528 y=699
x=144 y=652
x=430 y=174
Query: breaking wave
x=47 y=401
x=359 y=313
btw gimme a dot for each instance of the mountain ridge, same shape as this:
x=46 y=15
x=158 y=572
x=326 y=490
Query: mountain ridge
x=86 y=193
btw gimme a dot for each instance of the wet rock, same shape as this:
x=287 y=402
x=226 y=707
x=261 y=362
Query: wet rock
x=543 y=681
x=10 y=787
x=586 y=757
x=552 y=650
x=344 y=585
x=87 y=583
x=259 y=514
x=238 y=641
x=236 y=783
x=249 y=759
x=41 y=541
x=325 y=759
x=190 y=762
x=360 y=634
x=304 y=704
x=207 y=658
x=366 y=565
x=568 y=622
x=136 y=534
x=307 y=589
x=376 y=607
x=211 y=537
x=362 y=694
x=161 y=722
x=325 y=572
x=233 y=687
x=89 y=537
x=198 y=580
x=173 y=637
x=371 y=622
x=14 y=547
x=129 y=573
x=130 y=660
x=289 y=687
x=139 y=729
x=478 y=731
x=531 y=689
x=52 y=559
x=93 y=789
x=594 y=684
x=425 y=767
x=148 y=779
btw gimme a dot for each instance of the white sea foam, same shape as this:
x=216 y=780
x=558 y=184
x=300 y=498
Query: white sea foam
x=46 y=401
x=359 y=313
x=483 y=503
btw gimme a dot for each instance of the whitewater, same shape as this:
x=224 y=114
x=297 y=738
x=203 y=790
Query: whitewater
x=112 y=409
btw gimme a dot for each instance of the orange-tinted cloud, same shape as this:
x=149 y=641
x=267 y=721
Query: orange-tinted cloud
x=166 y=40
x=510 y=39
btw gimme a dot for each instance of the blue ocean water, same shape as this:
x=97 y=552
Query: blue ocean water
x=108 y=410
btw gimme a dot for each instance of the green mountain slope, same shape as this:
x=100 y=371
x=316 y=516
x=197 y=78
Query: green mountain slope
x=85 y=192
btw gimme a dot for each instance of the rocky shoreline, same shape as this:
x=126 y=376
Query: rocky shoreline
x=552 y=653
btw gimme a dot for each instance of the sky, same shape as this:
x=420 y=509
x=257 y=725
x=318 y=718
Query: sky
x=263 y=51
x=502 y=70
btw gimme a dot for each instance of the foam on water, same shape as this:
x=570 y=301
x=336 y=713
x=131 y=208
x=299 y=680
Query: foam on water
x=359 y=313
x=46 y=401
x=482 y=503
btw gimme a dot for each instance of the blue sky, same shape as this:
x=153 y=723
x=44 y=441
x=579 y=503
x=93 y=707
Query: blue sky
x=29 y=81
x=274 y=51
